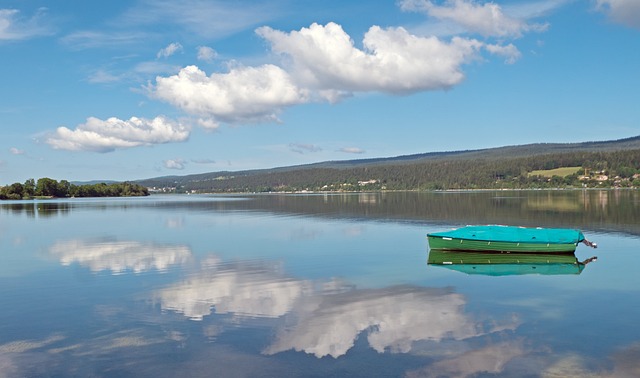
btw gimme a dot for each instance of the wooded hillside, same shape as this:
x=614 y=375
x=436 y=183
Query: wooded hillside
x=603 y=164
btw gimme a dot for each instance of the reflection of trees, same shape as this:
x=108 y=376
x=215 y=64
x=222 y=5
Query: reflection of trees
x=120 y=256
x=37 y=209
x=588 y=209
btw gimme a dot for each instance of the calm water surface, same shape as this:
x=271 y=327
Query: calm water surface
x=309 y=285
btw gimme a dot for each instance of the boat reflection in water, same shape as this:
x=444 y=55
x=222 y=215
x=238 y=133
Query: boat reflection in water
x=506 y=264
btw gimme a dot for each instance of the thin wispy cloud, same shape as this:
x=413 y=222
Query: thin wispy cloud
x=171 y=49
x=203 y=161
x=15 y=26
x=88 y=39
x=303 y=148
x=16 y=151
x=487 y=19
x=209 y=19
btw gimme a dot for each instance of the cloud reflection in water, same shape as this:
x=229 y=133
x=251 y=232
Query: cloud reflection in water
x=249 y=289
x=325 y=318
x=120 y=256
x=394 y=319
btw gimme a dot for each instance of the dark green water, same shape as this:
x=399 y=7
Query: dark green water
x=310 y=285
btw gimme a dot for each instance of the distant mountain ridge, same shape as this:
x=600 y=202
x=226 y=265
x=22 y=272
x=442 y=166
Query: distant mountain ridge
x=280 y=174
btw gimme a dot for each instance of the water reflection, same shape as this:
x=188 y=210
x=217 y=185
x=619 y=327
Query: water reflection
x=354 y=291
x=506 y=264
x=250 y=289
x=120 y=256
x=325 y=318
x=394 y=319
x=35 y=209
x=492 y=359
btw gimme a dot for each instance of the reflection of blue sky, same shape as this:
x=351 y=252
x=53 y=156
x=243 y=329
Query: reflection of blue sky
x=120 y=256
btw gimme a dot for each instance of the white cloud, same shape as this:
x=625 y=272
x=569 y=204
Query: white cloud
x=102 y=76
x=302 y=148
x=322 y=63
x=393 y=61
x=207 y=54
x=626 y=12
x=13 y=27
x=487 y=19
x=352 y=150
x=16 y=151
x=178 y=164
x=171 y=49
x=244 y=94
x=509 y=52
x=107 y=135
x=208 y=123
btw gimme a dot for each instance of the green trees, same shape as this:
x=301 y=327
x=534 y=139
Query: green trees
x=47 y=187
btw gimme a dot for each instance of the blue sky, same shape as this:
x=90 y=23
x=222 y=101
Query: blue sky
x=125 y=90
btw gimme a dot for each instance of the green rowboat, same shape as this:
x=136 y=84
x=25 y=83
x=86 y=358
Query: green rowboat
x=508 y=239
x=504 y=264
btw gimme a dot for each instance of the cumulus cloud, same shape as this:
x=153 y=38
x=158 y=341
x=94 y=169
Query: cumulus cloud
x=626 y=12
x=178 y=164
x=171 y=49
x=302 y=148
x=486 y=19
x=13 y=27
x=322 y=63
x=244 y=94
x=393 y=60
x=16 y=151
x=108 y=135
x=207 y=54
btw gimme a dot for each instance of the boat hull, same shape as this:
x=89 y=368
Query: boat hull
x=460 y=244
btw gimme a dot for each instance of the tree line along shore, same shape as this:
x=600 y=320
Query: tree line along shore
x=50 y=188
x=610 y=169
x=565 y=170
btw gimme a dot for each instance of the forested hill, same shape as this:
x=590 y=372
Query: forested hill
x=503 y=167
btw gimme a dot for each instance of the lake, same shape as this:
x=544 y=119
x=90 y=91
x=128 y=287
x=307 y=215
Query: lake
x=310 y=285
